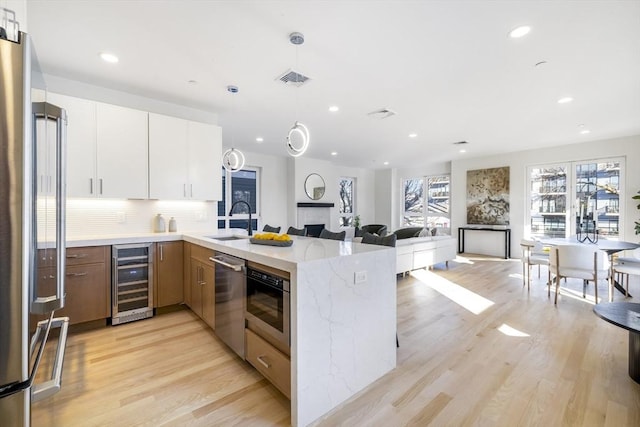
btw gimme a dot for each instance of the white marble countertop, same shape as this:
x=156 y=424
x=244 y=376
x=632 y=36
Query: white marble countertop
x=304 y=249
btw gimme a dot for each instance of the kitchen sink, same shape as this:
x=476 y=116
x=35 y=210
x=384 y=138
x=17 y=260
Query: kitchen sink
x=225 y=238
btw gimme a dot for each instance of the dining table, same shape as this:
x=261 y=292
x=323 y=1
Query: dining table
x=611 y=247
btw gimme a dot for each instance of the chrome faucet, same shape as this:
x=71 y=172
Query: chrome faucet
x=249 y=207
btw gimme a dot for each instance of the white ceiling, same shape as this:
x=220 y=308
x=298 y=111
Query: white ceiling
x=446 y=67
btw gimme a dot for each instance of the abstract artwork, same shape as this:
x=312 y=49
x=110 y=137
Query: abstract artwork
x=488 y=196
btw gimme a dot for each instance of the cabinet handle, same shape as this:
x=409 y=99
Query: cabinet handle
x=100 y=181
x=42 y=183
x=161 y=253
x=184 y=190
x=191 y=187
x=262 y=361
x=77 y=256
x=49 y=183
x=77 y=274
x=90 y=185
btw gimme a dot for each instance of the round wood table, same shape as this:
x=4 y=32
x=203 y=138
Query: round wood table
x=627 y=316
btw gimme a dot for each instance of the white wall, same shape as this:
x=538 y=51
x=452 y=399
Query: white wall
x=365 y=188
x=491 y=242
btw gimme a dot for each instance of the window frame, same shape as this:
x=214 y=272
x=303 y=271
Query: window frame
x=227 y=197
x=349 y=215
x=425 y=214
x=571 y=194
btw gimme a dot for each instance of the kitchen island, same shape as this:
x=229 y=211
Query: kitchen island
x=343 y=315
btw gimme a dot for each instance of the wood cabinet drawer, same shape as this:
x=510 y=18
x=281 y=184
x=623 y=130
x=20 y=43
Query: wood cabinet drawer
x=86 y=255
x=201 y=253
x=274 y=365
x=74 y=256
x=86 y=292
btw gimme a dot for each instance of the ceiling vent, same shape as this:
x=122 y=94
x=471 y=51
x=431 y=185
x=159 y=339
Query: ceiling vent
x=382 y=113
x=293 y=78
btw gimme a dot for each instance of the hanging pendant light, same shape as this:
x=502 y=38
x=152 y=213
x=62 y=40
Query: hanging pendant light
x=233 y=159
x=298 y=136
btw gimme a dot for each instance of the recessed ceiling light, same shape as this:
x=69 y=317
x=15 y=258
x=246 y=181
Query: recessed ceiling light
x=585 y=131
x=192 y=82
x=463 y=151
x=259 y=139
x=109 y=57
x=519 y=31
x=334 y=153
x=413 y=135
x=334 y=108
x=385 y=163
x=565 y=100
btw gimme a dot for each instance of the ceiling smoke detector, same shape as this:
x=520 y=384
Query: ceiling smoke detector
x=382 y=113
x=293 y=78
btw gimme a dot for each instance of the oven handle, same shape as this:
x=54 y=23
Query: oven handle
x=234 y=267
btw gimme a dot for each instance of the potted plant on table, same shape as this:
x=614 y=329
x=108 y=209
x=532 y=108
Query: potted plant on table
x=356 y=225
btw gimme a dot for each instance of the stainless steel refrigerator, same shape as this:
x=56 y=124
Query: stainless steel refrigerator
x=32 y=229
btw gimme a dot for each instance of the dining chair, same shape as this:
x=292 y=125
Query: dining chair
x=326 y=234
x=533 y=254
x=627 y=266
x=270 y=229
x=297 y=231
x=578 y=262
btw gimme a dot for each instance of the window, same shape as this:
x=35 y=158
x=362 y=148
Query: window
x=347 y=197
x=436 y=199
x=563 y=196
x=241 y=185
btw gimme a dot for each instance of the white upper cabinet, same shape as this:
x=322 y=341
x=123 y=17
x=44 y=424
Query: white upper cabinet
x=184 y=159
x=122 y=152
x=205 y=152
x=107 y=149
x=81 y=144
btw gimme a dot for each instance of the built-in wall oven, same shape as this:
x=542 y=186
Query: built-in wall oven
x=267 y=306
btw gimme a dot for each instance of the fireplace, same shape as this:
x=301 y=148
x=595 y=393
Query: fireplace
x=313 y=230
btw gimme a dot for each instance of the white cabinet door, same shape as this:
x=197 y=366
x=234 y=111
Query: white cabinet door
x=81 y=144
x=122 y=152
x=167 y=158
x=205 y=151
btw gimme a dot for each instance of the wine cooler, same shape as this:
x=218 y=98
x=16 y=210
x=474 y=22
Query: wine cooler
x=132 y=282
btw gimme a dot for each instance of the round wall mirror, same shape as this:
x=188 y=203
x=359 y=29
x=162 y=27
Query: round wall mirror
x=314 y=186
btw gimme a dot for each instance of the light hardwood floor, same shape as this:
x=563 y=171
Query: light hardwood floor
x=460 y=362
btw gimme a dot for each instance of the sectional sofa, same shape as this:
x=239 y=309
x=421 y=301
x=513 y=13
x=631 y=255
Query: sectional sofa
x=417 y=248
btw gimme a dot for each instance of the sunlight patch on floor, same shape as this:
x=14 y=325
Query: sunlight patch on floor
x=463 y=260
x=511 y=332
x=456 y=293
x=577 y=295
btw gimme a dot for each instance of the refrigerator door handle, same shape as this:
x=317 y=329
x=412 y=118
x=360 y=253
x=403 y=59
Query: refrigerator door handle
x=48 y=304
x=52 y=386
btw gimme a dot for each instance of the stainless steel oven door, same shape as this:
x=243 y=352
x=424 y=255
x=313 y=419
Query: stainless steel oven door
x=267 y=308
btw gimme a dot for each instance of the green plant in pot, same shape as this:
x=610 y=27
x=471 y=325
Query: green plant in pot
x=356 y=221
x=637 y=197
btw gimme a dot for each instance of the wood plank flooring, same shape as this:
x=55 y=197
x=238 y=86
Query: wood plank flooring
x=476 y=348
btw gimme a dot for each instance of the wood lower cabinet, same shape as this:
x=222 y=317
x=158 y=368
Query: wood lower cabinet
x=169 y=274
x=270 y=362
x=87 y=285
x=202 y=284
